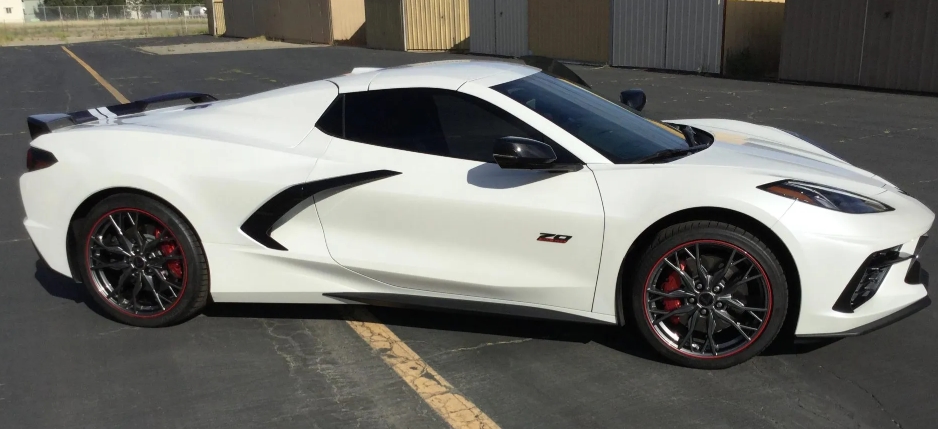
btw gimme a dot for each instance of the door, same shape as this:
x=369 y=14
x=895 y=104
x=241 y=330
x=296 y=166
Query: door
x=511 y=27
x=452 y=221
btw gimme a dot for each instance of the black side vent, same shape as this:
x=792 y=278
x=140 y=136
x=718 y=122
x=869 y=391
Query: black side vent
x=259 y=224
x=868 y=279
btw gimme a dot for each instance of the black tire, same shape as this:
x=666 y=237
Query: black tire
x=160 y=264
x=653 y=312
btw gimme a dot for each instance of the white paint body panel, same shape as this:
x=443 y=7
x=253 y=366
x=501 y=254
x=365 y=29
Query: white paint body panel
x=453 y=228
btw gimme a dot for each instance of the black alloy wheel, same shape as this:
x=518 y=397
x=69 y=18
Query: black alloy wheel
x=712 y=295
x=143 y=262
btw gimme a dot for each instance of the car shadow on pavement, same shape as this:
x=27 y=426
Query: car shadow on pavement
x=623 y=339
x=64 y=287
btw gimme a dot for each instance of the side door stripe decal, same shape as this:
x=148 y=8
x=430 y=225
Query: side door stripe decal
x=258 y=226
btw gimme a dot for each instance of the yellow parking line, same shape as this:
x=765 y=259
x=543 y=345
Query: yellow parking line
x=458 y=411
x=454 y=408
x=110 y=88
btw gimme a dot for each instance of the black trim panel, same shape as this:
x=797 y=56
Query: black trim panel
x=394 y=300
x=872 y=326
x=873 y=261
x=917 y=275
x=259 y=224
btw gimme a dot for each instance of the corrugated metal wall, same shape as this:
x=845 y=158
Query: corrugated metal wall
x=639 y=29
x=304 y=21
x=695 y=35
x=752 y=36
x=482 y=26
x=569 y=30
x=436 y=25
x=900 y=50
x=243 y=19
x=823 y=41
x=511 y=27
x=384 y=24
x=498 y=27
x=673 y=34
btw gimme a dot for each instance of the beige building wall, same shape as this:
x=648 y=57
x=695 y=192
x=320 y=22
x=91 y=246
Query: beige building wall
x=348 y=22
x=436 y=25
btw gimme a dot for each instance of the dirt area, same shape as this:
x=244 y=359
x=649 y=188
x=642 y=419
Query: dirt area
x=203 y=48
x=61 y=32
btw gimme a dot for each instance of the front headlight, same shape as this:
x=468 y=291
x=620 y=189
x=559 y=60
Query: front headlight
x=826 y=197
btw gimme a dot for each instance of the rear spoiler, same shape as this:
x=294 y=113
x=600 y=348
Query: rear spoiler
x=45 y=123
x=554 y=68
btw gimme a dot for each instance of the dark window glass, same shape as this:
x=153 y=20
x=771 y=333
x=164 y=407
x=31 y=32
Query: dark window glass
x=435 y=122
x=331 y=120
x=611 y=130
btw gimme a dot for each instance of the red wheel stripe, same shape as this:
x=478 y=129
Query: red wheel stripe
x=768 y=285
x=185 y=279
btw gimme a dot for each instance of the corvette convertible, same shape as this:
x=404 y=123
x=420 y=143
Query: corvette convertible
x=478 y=186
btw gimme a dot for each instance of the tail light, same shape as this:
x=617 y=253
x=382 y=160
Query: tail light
x=37 y=159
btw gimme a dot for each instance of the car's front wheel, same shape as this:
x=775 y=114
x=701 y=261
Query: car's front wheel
x=142 y=262
x=708 y=295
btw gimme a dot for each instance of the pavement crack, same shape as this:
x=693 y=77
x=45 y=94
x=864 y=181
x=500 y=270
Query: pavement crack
x=484 y=345
x=299 y=360
x=871 y=394
x=125 y=328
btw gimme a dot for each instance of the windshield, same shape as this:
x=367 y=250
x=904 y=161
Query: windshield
x=611 y=130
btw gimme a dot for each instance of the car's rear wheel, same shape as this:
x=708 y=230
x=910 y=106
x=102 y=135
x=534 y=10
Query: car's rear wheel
x=708 y=295
x=142 y=262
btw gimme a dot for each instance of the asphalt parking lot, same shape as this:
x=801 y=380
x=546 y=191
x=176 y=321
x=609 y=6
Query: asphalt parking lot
x=62 y=364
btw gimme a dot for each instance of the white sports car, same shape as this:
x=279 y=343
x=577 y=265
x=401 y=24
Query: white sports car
x=473 y=186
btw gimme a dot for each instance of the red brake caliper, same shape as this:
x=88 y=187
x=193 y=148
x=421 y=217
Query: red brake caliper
x=174 y=267
x=671 y=284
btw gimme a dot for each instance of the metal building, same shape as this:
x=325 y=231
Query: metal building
x=695 y=35
x=888 y=44
x=303 y=21
x=498 y=27
x=752 y=37
x=418 y=25
x=569 y=30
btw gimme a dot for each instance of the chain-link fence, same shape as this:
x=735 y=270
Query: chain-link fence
x=107 y=22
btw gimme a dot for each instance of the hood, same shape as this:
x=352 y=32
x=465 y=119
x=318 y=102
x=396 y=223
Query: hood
x=772 y=152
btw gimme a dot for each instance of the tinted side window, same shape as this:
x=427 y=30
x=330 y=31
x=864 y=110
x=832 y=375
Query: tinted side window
x=471 y=126
x=403 y=119
x=331 y=120
x=434 y=121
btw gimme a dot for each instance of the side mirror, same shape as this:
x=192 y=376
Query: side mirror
x=634 y=98
x=523 y=153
